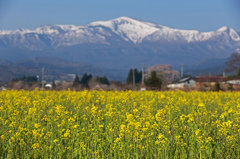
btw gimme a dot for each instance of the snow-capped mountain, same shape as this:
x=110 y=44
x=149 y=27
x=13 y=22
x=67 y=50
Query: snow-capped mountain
x=125 y=28
x=121 y=38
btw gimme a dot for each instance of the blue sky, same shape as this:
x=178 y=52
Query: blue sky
x=202 y=15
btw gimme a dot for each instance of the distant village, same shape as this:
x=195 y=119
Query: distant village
x=157 y=77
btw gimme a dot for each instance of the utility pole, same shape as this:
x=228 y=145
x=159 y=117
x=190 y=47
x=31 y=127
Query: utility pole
x=37 y=78
x=181 y=70
x=42 y=78
x=133 y=79
x=143 y=74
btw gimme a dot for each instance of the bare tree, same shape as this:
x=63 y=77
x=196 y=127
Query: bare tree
x=233 y=64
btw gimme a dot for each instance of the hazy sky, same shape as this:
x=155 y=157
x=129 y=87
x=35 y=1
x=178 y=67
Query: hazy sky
x=203 y=15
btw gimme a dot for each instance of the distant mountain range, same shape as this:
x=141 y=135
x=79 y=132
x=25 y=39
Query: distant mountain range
x=119 y=44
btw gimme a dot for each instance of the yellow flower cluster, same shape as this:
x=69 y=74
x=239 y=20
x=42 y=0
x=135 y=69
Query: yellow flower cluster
x=101 y=124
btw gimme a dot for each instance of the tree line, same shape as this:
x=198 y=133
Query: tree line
x=153 y=82
x=86 y=78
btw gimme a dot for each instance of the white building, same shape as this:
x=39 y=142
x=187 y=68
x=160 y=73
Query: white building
x=233 y=81
x=187 y=82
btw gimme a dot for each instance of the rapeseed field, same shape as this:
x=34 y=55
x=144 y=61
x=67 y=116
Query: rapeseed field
x=101 y=124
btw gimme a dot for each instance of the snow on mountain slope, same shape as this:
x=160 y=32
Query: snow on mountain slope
x=81 y=35
x=229 y=31
x=128 y=28
x=121 y=43
x=169 y=34
x=107 y=32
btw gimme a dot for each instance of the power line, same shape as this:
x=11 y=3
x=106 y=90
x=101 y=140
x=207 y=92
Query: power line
x=181 y=70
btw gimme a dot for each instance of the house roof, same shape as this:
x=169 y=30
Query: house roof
x=184 y=79
x=232 y=79
x=210 y=78
x=48 y=85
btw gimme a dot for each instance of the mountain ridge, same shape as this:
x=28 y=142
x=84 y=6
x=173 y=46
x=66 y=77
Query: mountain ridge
x=120 y=43
x=55 y=68
x=128 y=29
